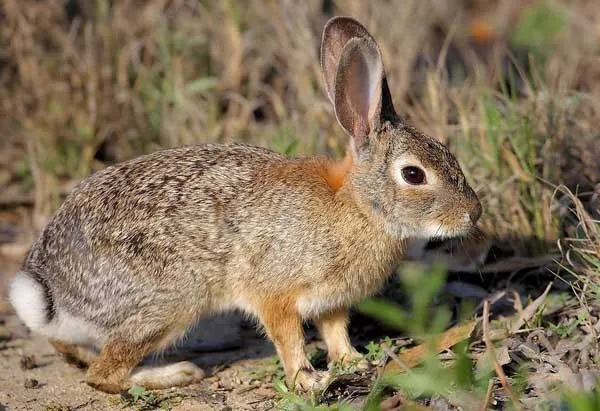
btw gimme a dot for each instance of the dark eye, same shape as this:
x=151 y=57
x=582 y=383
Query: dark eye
x=413 y=175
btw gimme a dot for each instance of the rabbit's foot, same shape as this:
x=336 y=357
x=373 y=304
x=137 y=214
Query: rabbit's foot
x=166 y=376
x=104 y=380
x=310 y=380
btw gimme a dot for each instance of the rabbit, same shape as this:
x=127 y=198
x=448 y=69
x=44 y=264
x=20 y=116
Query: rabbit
x=140 y=250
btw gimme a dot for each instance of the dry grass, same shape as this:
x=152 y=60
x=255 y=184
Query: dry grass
x=512 y=86
x=87 y=84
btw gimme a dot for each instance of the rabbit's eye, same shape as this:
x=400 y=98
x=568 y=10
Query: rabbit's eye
x=413 y=175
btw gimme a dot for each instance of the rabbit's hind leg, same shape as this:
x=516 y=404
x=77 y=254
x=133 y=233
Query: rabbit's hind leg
x=76 y=355
x=115 y=368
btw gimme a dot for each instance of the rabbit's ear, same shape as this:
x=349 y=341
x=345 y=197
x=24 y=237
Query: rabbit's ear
x=358 y=90
x=338 y=32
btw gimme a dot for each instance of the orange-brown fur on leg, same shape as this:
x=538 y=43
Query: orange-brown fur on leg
x=284 y=327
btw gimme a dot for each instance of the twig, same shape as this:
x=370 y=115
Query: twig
x=394 y=357
x=247 y=389
x=84 y=405
x=488 y=395
x=490 y=348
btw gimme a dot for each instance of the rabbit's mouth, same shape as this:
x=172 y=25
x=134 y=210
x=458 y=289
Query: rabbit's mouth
x=431 y=230
x=442 y=230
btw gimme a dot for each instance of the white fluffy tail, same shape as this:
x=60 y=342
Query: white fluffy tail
x=29 y=300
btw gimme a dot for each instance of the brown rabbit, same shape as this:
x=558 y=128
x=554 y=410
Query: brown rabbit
x=140 y=251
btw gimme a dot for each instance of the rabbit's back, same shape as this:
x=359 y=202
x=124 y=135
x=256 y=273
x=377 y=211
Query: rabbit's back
x=160 y=227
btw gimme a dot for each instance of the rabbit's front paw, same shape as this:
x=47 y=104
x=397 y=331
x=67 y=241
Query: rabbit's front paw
x=311 y=380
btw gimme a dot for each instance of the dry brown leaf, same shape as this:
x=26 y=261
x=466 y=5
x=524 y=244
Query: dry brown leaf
x=530 y=311
x=520 y=319
x=416 y=355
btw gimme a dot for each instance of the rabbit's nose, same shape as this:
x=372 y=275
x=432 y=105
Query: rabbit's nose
x=475 y=212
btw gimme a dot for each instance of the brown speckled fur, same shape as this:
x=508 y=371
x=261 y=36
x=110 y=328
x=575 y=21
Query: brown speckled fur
x=141 y=250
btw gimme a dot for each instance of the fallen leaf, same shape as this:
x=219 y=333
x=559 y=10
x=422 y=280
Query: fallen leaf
x=530 y=311
x=416 y=355
x=265 y=392
x=518 y=321
x=399 y=403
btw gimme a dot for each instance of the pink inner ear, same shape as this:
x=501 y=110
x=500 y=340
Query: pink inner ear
x=363 y=87
x=358 y=91
x=336 y=34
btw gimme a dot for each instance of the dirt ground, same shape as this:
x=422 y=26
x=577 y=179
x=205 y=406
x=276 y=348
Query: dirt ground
x=239 y=365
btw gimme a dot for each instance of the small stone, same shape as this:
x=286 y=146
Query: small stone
x=31 y=383
x=28 y=362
